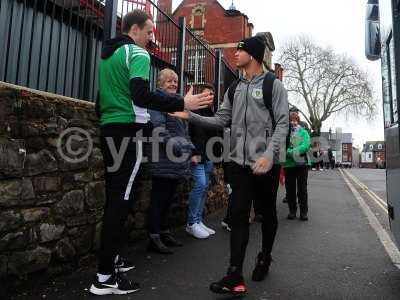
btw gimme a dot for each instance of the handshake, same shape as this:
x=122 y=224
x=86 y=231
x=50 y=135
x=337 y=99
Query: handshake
x=194 y=102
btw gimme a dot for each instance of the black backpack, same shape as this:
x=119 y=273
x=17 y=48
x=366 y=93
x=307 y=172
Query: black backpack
x=267 y=88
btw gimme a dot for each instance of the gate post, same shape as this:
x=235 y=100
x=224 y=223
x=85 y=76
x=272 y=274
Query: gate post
x=180 y=55
x=110 y=19
x=217 y=77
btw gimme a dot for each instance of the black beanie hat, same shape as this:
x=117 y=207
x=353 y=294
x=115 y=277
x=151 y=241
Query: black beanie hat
x=253 y=46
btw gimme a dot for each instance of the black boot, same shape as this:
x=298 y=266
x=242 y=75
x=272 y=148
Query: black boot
x=303 y=217
x=156 y=245
x=291 y=216
x=258 y=219
x=168 y=239
x=262 y=266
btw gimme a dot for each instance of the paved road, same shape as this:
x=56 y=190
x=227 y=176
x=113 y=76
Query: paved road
x=336 y=255
x=375 y=179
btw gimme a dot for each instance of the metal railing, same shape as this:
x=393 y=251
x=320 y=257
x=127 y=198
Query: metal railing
x=55 y=45
x=52 y=45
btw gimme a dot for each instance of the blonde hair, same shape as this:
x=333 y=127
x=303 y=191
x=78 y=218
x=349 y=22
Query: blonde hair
x=270 y=47
x=267 y=61
x=164 y=75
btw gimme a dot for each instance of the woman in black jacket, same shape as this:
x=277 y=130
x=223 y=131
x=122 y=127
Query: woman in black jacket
x=168 y=169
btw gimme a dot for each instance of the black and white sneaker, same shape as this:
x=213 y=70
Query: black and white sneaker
x=123 y=265
x=117 y=284
x=225 y=224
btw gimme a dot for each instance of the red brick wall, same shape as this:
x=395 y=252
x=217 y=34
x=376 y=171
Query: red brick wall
x=165 y=6
x=219 y=28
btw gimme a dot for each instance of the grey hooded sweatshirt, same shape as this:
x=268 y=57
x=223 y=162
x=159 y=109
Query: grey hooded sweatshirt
x=252 y=135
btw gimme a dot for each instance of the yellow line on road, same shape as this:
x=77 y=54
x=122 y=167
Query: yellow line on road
x=382 y=234
x=371 y=193
x=374 y=197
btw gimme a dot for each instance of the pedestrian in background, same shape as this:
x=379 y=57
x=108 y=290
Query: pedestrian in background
x=331 y=158
x=168 y=170
x=296 y=168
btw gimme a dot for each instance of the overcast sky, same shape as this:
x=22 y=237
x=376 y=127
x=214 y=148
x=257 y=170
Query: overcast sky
x=337 y=24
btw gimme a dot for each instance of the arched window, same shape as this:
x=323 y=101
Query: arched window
x=198 y=21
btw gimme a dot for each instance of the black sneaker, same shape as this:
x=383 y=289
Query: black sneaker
x=123 y=265
x=169 y=240
x=156 y=245
x=258 y=219
x=262 y=267
x=117 y=284
x=225 y=224
x=303 y=217
x=231 y=284
x=291 y=216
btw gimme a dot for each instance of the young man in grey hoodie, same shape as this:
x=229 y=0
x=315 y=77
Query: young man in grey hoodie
x=257 y=146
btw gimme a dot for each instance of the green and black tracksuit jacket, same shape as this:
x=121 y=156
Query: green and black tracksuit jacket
x=124 y=97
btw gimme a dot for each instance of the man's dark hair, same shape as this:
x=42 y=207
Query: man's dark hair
x=136 y=16
x=207 y=86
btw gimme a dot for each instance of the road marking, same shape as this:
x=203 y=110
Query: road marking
x=374 y=196
x=382 y=234
x=364 y=187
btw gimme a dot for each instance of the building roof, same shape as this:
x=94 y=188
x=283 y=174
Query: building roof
x=228 y=12
x=335 y=141
x=373 y=146
x=347 y=138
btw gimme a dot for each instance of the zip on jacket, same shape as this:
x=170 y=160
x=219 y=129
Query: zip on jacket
x=259 y=122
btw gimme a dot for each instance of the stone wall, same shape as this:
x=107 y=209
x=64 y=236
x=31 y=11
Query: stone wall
x=50 y=207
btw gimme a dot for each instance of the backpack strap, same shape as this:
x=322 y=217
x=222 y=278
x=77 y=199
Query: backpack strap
x=232 y=90
x=268 y=85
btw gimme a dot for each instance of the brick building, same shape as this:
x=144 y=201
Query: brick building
x=341 y=144
x=220 y=28
x=373 y=155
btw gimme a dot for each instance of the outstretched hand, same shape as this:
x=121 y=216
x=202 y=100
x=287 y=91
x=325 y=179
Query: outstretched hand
x=262 y=166
x=180 y=114
x=199 y=101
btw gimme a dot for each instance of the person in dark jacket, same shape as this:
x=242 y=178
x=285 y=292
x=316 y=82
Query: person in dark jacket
x=331 y=158
x=202 y=167
x=168 y=169
x=296 y=168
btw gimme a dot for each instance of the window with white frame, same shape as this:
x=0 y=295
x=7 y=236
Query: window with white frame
x=380 y=146
x=196 y=61
x=173 y=57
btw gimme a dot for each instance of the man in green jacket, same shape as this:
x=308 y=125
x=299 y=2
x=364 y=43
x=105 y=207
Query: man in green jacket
x=124 y=97
x=296 y=167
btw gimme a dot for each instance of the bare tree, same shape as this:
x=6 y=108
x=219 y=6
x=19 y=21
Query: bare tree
x=324 y=83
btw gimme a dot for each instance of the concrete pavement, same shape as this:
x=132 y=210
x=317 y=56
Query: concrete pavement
x=335 y=255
